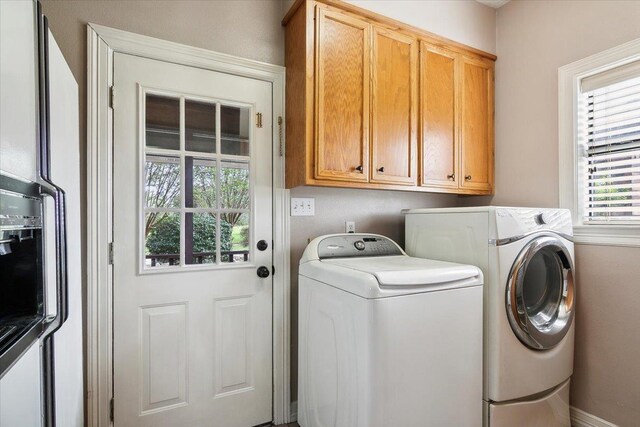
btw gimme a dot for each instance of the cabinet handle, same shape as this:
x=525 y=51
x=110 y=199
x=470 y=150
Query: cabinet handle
x=359 y=168
x=381 y=169
x=467 y=178
x=452 y=177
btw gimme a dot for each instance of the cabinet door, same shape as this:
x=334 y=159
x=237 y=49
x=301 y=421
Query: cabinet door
x=342 y=96
x=394 y=108
x=476 y=165
x=439 y=138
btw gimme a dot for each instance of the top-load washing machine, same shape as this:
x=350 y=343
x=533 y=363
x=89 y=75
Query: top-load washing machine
x=527 y=257
x=385 y=339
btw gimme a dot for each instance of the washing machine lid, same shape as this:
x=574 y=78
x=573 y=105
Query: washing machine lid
x=402 y=270
x=374 y=266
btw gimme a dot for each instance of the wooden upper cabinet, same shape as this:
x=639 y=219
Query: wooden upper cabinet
x=394 y=108
x=476 y=126
x=375 y=103
x=342 y=96
x=439 y=136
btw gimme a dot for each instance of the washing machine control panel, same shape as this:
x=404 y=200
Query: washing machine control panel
x=357 y=245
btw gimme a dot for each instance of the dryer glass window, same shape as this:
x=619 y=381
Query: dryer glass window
x=542 y=290
x=539 y=297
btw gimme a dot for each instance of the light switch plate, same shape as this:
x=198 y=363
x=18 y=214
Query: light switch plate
x=303 y=206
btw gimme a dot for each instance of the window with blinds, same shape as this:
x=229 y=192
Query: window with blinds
x=610 y=135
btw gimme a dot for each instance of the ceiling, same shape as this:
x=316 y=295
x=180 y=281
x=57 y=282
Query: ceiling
x=493 y=3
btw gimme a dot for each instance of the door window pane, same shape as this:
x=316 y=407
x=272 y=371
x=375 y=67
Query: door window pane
x=203 y=182
x=238 y=238
x=200 y=126
x=162 y=239
x=200 y=238
x=162 y=122
x=235 y=130
x=162 y=181
x=234 y=185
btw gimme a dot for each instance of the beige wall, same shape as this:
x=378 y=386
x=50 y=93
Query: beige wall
x=534 y=39
x=465 y=21
x=606 y=379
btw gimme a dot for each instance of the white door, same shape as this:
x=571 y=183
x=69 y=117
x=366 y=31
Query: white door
x=192 y=203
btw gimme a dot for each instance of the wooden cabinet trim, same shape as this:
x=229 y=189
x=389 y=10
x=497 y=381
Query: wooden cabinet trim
x=299 y=108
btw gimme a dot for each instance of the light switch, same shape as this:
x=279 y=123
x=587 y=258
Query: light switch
x=303 y=206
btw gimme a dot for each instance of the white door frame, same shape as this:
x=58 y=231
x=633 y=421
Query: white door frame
x=102 y=43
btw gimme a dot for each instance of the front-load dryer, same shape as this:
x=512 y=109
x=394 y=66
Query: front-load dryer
x=386 y=339
x=527 y=257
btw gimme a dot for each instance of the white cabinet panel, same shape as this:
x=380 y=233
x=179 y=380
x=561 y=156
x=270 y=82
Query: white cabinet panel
x=20 y=400
x=65 y=172
x=18 y=85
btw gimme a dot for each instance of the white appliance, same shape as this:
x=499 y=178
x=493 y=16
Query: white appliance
x=527 y=259
x=41 y=384
x=386 y=339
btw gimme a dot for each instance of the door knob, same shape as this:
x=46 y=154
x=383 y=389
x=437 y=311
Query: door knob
x=359 y=168
x=262 y=245
x=381 y=169
x=452 y=177
x=467 y=178
x=263 y=271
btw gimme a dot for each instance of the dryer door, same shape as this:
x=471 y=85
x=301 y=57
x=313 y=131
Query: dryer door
x=540 y=293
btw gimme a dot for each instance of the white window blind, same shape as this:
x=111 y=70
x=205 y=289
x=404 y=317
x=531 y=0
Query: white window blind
x=610 y=130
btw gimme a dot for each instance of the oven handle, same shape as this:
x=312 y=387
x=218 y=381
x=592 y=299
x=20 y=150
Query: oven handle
x=62 y=290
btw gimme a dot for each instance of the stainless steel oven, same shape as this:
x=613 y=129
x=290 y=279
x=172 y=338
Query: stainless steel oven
x=24 y=315
x=22 y=285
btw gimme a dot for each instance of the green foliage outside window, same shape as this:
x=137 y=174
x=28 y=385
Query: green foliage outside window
x=164 y=238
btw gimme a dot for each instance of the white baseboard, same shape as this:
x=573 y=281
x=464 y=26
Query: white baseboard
x=579 y=418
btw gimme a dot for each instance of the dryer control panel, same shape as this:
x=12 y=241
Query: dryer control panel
x=357 y=245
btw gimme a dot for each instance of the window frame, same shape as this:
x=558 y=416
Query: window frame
x=570 y=162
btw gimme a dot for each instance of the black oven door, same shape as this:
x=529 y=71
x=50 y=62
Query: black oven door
x=22 y=284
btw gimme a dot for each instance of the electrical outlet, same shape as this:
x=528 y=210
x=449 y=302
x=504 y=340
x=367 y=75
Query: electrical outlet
x=303 y=206
x=350 y=227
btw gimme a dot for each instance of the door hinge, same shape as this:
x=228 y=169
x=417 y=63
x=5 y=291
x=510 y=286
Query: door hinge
x=112 y=91
x=111 y=409
x=110 y=255
x=280 y=141
x=273 y=270
x=259 y=120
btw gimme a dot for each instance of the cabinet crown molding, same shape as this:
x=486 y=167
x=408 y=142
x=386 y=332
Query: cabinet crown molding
x=393 y=25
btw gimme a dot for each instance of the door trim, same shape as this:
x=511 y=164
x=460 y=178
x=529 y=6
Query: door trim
x=102 y=43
